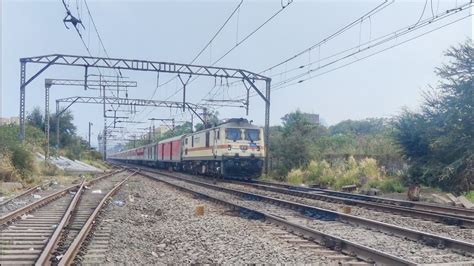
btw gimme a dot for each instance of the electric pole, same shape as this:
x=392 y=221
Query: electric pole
x=90 y=124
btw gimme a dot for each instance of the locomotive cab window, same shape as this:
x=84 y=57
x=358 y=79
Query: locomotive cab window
x=252 y=134
x=233 y=134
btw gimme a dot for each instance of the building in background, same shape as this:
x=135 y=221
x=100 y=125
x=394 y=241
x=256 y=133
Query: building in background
x=312 y=118
x=10 y=120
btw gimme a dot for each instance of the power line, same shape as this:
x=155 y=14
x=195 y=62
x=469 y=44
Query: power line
x=391 y=36
x=252 y=33
x=98 y=34
x=217 y=33
x=283 y=7
x=370 y=55
x=381 y=40
x=244 y=39
x=355 y=22
x=201 y=51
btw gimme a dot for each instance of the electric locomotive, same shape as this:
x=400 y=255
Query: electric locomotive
x=234 y=148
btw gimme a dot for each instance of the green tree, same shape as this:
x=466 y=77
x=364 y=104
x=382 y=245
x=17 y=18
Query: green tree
x=438 y=141
x=67 y=129
x=290 y=144
x=212 y=120
x=36 y=118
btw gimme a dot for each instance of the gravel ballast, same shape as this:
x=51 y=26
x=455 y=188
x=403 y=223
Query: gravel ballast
x=454 y=232
x=394 y=245
x=158 y=224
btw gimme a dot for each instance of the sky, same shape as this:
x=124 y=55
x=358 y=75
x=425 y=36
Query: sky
x=175 y=31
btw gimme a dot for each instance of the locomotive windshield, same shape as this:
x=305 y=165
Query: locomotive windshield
x=232 y=134
x=252 y=134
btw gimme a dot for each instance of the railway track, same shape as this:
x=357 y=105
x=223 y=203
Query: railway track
x=433 y=223
x=4 y=204
x=448 y=218
x=370 y=240
x=415 y=207
x=51 y=230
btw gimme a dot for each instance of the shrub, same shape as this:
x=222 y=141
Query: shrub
x=8 y=172
x=387 y=185
x=365 y=172
x=295 y=177
x=470 y=195
x=319 y=173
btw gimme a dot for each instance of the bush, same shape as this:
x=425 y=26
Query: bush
x=49 y=169
x=295 y=177
x=341 y=173
x=387 y=185
x=8 y=173
x=470 y=195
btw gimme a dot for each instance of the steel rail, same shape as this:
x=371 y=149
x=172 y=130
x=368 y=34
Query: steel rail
x=30 y=207
x=53 y=240
x=449 y=219
x=342 y=245
x=319 y=213
x=19 y=195
x=75 y=246
x=403 y=203
x=9 y=217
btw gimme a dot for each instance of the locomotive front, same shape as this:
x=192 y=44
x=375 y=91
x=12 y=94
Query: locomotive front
x=243 y=149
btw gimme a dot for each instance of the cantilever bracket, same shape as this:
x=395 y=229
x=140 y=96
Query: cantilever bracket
x=254 y=87
x=184 y=89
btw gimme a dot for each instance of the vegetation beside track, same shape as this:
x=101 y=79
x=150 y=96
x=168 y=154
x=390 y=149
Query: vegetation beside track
x=18 y=161
x=432 y=147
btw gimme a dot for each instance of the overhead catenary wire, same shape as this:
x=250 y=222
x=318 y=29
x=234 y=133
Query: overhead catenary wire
x=384 y=38
x=353 y=23
x=373 y=54
x=283 y=7
x=201 y=51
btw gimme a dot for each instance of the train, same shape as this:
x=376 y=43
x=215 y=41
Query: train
x=232 y=149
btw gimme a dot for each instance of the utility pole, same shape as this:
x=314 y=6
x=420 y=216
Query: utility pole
x=104 y=138
x=149 y=135
x=90 y=124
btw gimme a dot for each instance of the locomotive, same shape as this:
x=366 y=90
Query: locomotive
x=234 y=148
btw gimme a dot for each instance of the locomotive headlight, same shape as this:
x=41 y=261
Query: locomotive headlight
x=229 y=147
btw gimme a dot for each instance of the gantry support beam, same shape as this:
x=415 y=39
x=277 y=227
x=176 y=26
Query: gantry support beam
x=129 y=101
x=91 y=83
x=143 y=65
x=101 y=83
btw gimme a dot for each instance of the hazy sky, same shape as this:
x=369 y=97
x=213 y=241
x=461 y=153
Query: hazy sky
x=175 y=31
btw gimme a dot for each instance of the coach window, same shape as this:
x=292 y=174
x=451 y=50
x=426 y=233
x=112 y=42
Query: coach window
x=192 y=141
x=233 y=134
x=218 y=134
x=186 y=141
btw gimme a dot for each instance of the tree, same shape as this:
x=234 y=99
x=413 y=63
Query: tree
x=290 y=143
x=67 y=130
x=36 y=118
x=438 y=141
x=212 y=120
x=360 y=127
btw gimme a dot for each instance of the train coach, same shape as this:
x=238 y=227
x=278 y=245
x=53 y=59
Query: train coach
x=234 y=148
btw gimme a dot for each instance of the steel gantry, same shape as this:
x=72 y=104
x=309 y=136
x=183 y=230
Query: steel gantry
x=124 y=102
x=99 y=84
x=144 y=65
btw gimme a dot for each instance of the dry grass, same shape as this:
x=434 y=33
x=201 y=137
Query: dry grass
x=8 y=173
